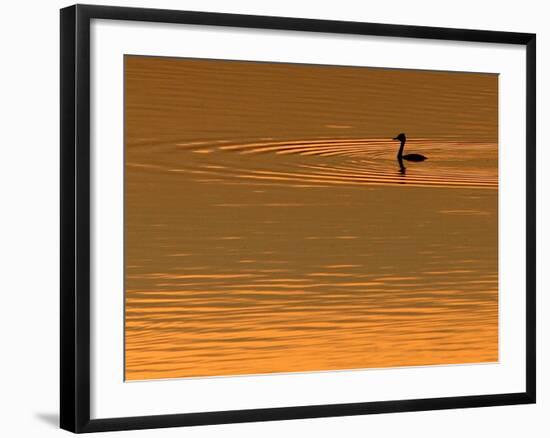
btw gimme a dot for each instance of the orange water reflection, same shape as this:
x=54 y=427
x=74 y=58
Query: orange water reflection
x=265 y=234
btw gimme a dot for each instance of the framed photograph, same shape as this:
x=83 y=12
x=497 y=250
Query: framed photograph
x=268 y=218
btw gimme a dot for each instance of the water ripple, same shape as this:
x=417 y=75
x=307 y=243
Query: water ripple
x=329 y=161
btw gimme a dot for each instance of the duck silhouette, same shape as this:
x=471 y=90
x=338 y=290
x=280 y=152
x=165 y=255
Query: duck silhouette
x=409 y=157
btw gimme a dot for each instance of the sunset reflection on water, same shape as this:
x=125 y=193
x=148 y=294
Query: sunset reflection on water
x=268 y=227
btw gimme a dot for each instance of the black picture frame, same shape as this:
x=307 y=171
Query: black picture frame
x=75 y=218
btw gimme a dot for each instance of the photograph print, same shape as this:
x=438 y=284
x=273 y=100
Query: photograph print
x=284 y=218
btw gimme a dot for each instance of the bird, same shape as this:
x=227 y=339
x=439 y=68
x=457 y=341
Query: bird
x=409 y=157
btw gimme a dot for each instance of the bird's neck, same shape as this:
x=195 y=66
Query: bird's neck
x=400 y=153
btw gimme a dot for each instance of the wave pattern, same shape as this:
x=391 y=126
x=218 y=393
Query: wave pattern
x=303 y=255
x=270 y=229
x=329 y=161
x=344 y=321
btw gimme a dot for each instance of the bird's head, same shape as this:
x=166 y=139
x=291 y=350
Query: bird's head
x=400 y=137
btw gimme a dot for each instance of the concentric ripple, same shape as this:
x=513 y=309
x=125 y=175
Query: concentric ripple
x=327 y=161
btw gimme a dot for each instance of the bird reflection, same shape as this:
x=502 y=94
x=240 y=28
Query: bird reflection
x=402 y=168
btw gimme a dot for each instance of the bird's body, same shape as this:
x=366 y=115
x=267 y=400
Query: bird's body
x=414 y=157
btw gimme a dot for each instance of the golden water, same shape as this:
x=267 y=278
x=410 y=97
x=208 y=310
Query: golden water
x=268 y=226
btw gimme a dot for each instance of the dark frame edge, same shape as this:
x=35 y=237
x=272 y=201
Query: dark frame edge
x=302 y=24
x=304 y=412
x=75 y=220
x=531 y=213
x=68 y=395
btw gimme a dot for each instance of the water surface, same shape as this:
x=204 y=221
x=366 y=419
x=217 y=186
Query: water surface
x=269 y=228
